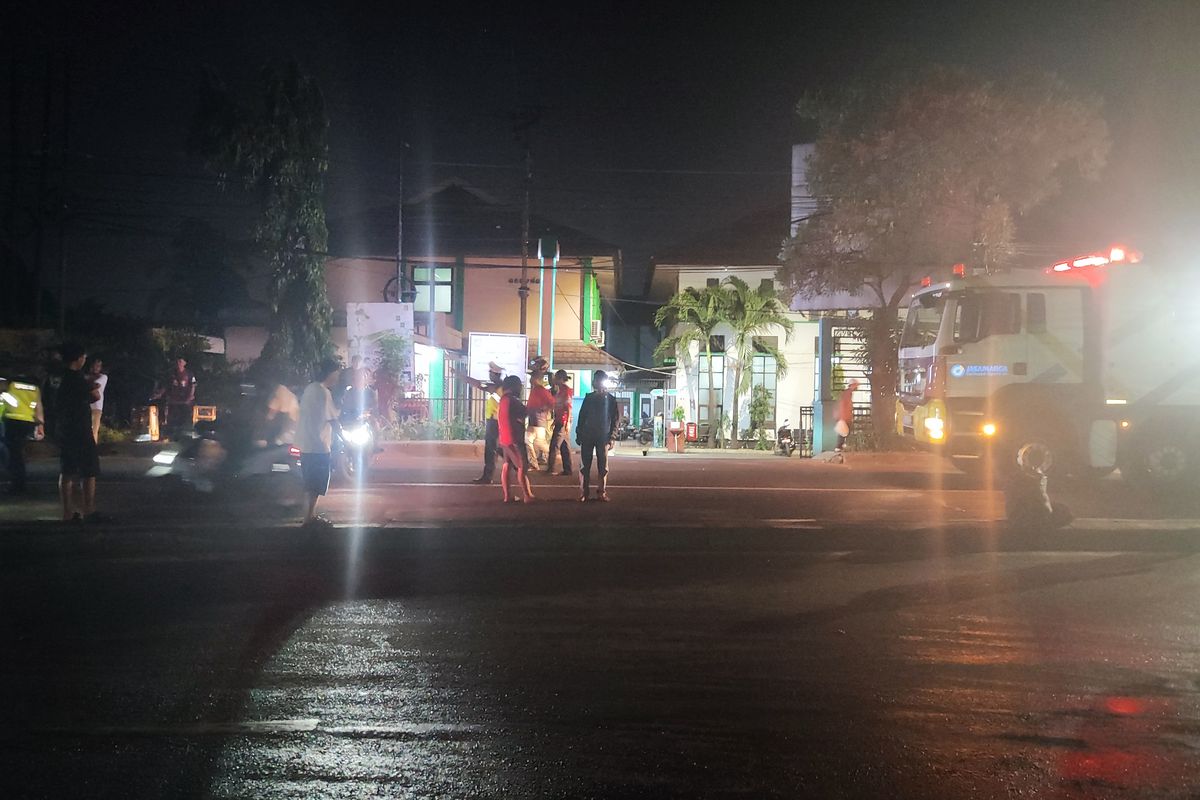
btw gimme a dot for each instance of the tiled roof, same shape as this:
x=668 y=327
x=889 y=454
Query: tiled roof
x=574 y=354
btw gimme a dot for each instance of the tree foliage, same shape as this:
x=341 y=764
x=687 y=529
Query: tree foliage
x=277 y=149
x=691 y=317
x=753 y=313
x=924 y=170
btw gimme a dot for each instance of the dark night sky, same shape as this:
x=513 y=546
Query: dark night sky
x=632 y=94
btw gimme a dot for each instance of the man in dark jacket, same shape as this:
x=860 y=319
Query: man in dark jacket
x=595 y=433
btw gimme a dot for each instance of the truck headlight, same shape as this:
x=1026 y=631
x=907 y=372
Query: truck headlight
x=935 y=428
x=988 y=429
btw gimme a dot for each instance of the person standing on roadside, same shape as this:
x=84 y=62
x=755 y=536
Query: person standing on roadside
x=845 y=420
x=511 y=415
x=180 y=394
x=99 y=379
x=540 y=408
x=22 y=417
x=79 y=459
x=595 y=432
x=314 y=437
x=560 y=438
x=491 y=424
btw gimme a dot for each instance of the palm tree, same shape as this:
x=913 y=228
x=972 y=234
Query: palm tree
x=691 y=316
x=753 y=313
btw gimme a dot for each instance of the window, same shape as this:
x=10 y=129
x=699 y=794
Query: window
x=712 y=283
x=983 y=314
x=767 y=284
x=435 y=282
x=1035 y=313
x=716 y=393
x=764 y=372
x=924 y=319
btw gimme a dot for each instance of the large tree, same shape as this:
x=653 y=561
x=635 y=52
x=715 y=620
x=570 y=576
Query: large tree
x=924 y=170
x=753 y=313
x=277 y=148
x=691 y=317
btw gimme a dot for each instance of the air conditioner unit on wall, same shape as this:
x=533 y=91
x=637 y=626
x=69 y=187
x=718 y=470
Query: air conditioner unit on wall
x=596 y=335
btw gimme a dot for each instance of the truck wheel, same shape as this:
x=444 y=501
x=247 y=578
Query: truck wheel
x=1039 y=447
x=1160 y=461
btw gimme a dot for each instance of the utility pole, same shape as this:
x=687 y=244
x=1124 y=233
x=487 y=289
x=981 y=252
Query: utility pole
x=400 y=227
x=62 y=199
x=12 y=308
x=43 y=178
x=523 y=290
x=523 y=122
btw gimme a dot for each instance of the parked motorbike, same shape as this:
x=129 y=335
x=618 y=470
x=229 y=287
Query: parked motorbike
x=646 y=433
x=785 y=445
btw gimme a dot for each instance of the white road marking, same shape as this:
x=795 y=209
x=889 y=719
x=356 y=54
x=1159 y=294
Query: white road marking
x=268 y=726
x=808 y=489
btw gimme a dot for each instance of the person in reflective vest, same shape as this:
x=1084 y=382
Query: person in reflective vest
x=491 y=426
x=24 y=418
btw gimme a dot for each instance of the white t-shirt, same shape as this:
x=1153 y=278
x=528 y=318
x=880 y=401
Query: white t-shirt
x=314 y=434
x=101 y=382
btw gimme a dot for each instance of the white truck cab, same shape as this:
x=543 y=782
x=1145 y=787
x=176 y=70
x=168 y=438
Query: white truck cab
x=1093 y=362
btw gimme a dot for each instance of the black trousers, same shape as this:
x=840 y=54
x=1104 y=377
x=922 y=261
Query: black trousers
x=559 y=444
x=491 y=447
x=15 y=434
x=590 y=448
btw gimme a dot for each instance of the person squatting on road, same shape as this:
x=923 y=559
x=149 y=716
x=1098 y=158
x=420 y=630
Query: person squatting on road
x=845 y=419
x=512 y=439
x=595 y=432
x=314 y=437
x=540 y=408
x=560 y=439
x=79 y=459
x=491 y=427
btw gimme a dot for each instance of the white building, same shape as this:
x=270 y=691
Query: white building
x=790 y=391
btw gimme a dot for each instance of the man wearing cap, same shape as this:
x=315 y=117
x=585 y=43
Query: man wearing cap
x=562 y=423
x=491 y=427
x=540 y=408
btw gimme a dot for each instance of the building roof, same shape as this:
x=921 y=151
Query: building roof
x=755 y=240
x=574 y=354
x=454 y=220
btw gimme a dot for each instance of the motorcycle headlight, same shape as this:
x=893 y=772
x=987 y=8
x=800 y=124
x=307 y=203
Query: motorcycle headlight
x=357 y=436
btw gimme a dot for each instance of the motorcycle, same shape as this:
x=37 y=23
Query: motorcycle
x=785 y=444
x=355 y=448
x=205 y=464
x=225 y=456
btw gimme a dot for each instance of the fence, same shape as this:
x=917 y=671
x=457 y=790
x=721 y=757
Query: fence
x=423 y=418
x=860 y=434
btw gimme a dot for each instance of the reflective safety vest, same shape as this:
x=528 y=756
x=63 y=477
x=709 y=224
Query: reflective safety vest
x=22 y=402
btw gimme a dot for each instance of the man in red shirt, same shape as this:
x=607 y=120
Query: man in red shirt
x=512 y=438
x=559 y=441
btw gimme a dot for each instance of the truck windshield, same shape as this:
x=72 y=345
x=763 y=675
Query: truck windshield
x=924 y=319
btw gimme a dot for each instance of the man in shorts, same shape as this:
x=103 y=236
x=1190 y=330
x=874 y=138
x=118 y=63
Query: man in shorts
x=79 y=459
x=314 y=437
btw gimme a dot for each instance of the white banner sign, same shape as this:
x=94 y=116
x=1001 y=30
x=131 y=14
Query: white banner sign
x=509 y=350
x=367 y=323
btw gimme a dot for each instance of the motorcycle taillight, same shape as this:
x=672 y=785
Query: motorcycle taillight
x=294 y=451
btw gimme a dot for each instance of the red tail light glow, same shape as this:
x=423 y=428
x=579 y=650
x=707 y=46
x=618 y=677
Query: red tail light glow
x=294 y=451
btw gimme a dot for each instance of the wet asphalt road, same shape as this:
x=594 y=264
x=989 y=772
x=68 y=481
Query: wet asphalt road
x=836 y=640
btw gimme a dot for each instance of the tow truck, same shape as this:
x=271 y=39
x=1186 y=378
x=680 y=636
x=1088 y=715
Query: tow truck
x=1084 y=366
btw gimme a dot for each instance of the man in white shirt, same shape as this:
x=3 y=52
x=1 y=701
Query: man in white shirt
x=99 y=382
x=314 y=436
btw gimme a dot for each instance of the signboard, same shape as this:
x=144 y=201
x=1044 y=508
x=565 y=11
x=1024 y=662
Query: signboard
x=367 y=323
x=509 y=350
